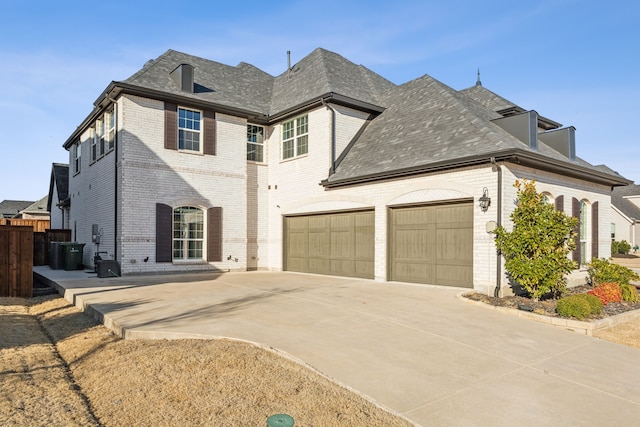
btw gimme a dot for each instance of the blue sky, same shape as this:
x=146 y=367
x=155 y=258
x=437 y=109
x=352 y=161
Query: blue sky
x=574 y=61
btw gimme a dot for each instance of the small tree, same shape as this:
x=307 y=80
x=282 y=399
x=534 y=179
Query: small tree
x=536 y=251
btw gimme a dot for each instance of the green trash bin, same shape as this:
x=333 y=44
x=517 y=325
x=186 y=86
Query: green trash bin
x=73 y=256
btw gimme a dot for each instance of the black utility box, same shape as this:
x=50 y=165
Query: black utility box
x=108 y=268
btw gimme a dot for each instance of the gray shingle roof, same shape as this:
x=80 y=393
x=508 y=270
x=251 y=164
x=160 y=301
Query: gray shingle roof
x=423 y=122
x=323 y=72
x=248 y=88
x=244 y=86
x=487 y=98
x=11 y=208
x=427 y=122
x=625 y=206
x=37 y=207
x=59 y=176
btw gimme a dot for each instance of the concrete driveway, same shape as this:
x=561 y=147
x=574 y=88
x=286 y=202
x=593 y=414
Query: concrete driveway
x=416 y=350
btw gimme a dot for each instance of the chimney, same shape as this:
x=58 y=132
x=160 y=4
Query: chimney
x=182 y=75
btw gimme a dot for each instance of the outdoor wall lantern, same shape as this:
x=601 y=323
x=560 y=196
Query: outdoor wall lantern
x=485 y=200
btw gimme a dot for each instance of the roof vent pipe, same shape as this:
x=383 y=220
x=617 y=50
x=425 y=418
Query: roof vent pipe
x=288 y=64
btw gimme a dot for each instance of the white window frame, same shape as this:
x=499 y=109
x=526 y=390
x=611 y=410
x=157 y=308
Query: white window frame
x=185 y=122
x=77 y=157
x=93 y=135
x=585 y=232
x=188 y=247
x=110 y=127
x=255 y=143
x=295 y=138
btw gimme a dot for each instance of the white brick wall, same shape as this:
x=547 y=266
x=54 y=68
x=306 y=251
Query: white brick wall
x=255 y=197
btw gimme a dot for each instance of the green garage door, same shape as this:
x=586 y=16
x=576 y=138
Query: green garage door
x=339 y=244
x=432 y=244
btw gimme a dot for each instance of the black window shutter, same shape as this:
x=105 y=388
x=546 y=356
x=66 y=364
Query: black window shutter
x=209 y=137
x=214 y=234
x=164 y=227
x=560 y=203
x=594 y=230
x=575 y=212
x=170 y=126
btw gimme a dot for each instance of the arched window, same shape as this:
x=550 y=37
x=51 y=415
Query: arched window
x=188 y=233
x=585 y=232
x=547 y=198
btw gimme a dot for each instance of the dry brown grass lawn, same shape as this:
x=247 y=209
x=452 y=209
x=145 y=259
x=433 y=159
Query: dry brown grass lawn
x=59 y=367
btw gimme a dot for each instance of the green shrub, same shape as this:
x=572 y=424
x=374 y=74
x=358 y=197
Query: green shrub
x=624 y=247
x=573 y=306
x=593 y=301
x=614 y=247
x=629 y=293
x=603 y=271
x=536 y=250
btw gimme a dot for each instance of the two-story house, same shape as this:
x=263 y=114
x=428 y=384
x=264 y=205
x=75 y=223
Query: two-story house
x=328 y=168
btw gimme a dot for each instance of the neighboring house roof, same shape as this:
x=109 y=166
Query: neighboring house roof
x=11 y=208
x=39 y=207
x=623 y=204
x=59 y=177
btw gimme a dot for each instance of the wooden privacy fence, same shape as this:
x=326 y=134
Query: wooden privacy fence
x=16 y=261
x=38 y=225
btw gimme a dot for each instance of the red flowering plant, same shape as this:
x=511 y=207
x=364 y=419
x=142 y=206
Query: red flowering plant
x=608 y=292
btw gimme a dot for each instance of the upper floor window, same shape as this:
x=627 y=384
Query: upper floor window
x=255 y=143
x=103 y=134
x=77 y=151
x=189 y=125
x=110 y=127
x=295 y=137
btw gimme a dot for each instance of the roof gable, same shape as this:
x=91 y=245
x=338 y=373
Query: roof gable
x=323 y=72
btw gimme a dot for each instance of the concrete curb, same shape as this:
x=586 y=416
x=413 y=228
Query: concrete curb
x=582 y=327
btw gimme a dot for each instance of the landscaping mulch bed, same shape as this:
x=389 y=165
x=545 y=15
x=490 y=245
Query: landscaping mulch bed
x=547 y=307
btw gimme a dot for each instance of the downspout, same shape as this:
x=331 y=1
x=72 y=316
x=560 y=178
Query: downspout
x=332 y=167
x=496 y=168
x=115 y=180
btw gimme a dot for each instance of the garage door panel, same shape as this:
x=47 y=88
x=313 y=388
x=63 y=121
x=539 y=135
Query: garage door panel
x=364 y=269
x=317 y=265
x=414 y=272
x=414 y=244
x=342 y=244
x=337 y=244
x=454 y=244
x=342 y=267
x=432 y=244
x=318 y=244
